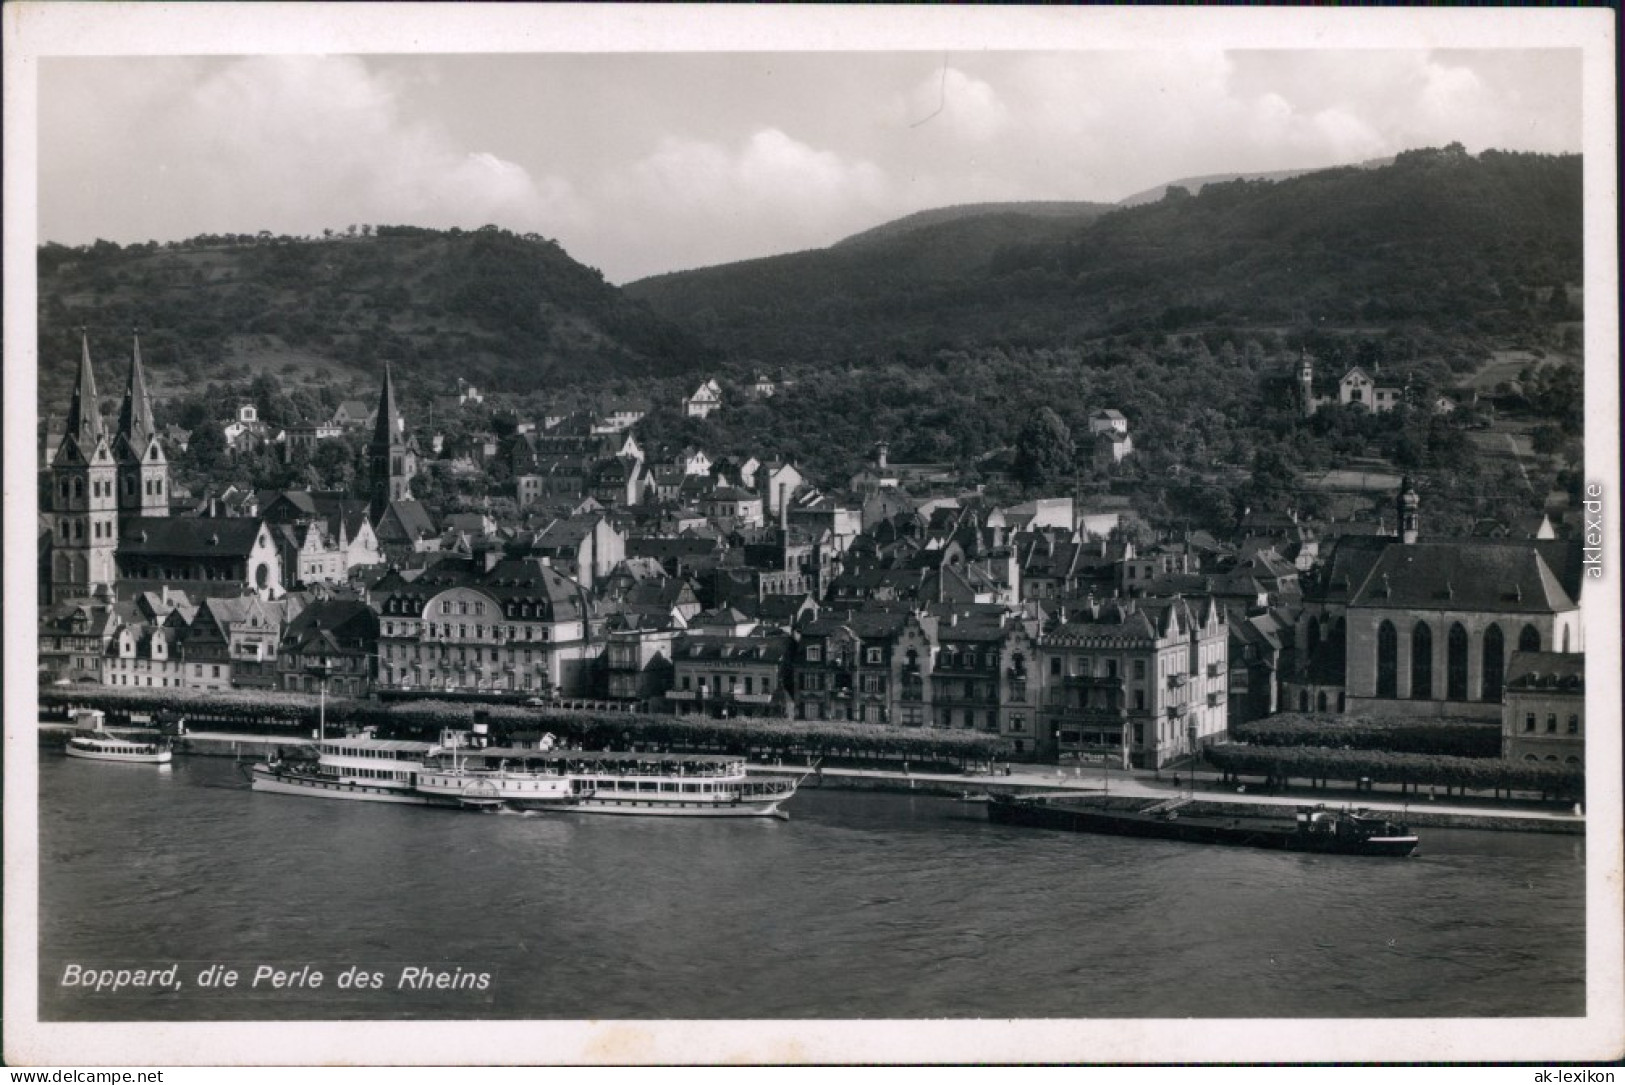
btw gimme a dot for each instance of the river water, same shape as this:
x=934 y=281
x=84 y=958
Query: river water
x=859 y=906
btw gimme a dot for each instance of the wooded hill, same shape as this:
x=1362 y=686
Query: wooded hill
x=505 y=311
x=1440 y=239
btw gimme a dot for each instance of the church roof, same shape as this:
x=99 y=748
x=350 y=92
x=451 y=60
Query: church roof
x=1490 y=575
x=405 y=521
x=186 y=536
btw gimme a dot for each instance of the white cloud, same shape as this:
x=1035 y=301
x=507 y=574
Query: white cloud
x=293 y=144
x=713 y=202
x=952 y=103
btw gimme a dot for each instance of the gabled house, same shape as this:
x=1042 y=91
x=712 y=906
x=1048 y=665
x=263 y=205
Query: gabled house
x=333 y=641
x=705 y=400
x=1359 y=389
x=143 y=654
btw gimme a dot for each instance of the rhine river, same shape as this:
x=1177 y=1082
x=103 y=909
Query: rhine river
x=859 y=906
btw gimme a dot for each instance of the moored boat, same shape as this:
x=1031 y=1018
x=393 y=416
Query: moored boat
x=492 y=777
x=1312 y=829
x=365 y=768
x=660 y=784
x=91 y=741
x=449 y=773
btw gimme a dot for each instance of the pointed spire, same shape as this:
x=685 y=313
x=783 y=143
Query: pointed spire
x=388 y=428
x=84 y=411
x=135 y=423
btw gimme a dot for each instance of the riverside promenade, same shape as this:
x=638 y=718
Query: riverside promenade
x=1207 y=788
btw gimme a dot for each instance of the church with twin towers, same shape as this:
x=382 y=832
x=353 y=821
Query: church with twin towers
x=107 y=531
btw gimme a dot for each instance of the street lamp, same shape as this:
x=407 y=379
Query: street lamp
x=322 y=670
x=1190 y=733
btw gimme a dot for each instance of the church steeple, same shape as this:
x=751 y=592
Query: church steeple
x=84 y=410
x=1409 y=523
x=388 y=427
x=143 y=467
x=386 y=454
x=135 y=423
x=84 y=510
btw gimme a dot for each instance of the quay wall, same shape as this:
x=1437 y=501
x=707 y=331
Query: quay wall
x=1416 y=819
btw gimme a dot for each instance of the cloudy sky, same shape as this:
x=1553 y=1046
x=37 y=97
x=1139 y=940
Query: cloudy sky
x=640 y=162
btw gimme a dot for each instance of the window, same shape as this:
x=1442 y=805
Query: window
x=872 y=655
x=1111 y=668
x=445 y=606
x=1387 y=661
x=815 y=654
x=1139 y=700
x=1494 y=657
x=1551 y=723
x=1457 y=672
x=1421 y=662
x=1139 y=668
x=1529 y=723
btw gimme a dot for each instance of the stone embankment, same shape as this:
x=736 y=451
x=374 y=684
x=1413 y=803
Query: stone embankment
x=1503 y=816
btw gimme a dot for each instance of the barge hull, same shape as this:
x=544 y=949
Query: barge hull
x=1232 y=832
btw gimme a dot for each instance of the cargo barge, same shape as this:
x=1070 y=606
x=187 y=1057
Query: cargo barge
x=1313 y=829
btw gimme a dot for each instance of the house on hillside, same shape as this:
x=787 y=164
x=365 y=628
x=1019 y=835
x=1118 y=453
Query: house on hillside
x=706 y=399
x=1357 y=388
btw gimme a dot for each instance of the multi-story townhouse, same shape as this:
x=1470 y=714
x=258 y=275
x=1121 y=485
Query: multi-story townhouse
x=514 y=624
x=638 y=656
x=1544 y=715
x=1137 y=682
x=232 y=643
x=843 y=667
x=730 y=675
x=73 y=638
x=333 y=641
x=145 y=655
x=584 y=548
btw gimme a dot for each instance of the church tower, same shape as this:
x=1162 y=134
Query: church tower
x=1408 y=502
x=143 y=469
x=84 y=504
x=1306 y=384
x=386 y=454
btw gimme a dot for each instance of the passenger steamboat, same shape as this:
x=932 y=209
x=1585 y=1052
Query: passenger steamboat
x=365 y=768
x=1313 y=829
x=448 y=773
x=91 y=741
x=663 y=784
